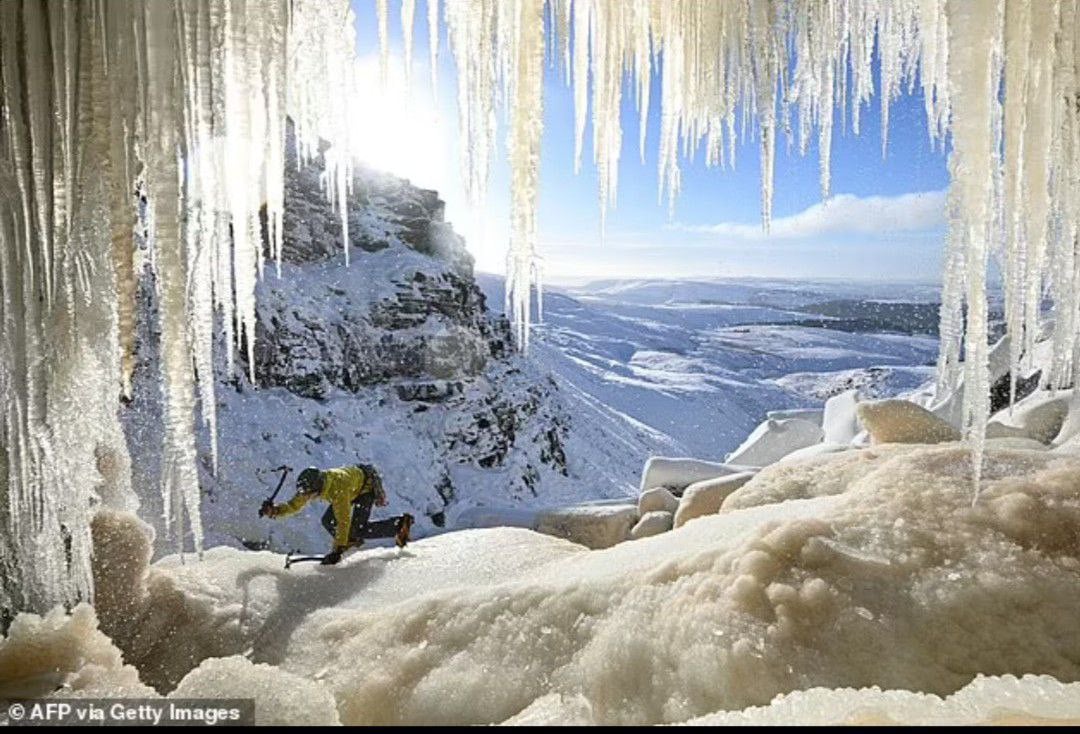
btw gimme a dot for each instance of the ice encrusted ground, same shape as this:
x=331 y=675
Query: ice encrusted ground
x=891 y=579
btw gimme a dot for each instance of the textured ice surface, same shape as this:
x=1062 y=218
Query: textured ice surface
x=894 y=580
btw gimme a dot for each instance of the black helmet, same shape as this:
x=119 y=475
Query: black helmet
x=309 y=480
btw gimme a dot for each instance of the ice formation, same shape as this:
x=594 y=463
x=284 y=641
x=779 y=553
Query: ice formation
x=182 y=104
x=168 y=116
x=891 y=581
x=998 y=79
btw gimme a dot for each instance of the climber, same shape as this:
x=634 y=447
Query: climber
x=351 y=492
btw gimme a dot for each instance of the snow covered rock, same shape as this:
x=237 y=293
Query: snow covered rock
x=814 y=415
x=593 y=526
x=1017 y=443
x=901 y=421
x=773 y=440
x=281 y=699
x=777 y=598
x=652 y=523
x=657 y=499
x=677 y=473
x=1039 y=417
x=840 y=422
x=706 y=497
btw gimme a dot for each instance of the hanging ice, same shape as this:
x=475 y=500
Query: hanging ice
x=184 y=102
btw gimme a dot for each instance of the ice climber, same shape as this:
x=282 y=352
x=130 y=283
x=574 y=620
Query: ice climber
x=351 y=492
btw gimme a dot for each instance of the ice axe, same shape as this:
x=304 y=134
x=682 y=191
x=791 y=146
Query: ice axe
x=290 y=559
x=284 y=469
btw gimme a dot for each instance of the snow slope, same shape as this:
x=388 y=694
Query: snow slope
x=701 y=362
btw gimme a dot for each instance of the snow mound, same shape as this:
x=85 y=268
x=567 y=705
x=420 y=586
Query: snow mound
x=651 y=523
x=815 y=476
x=593 y=526
x=894 y=581
x=66 y=654
x=1039 y=417
x=897 y=583
x=840 y=421
x=901 y=421
x=657 y=499
x=281 y=699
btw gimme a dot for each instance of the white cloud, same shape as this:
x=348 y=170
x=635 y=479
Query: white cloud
x=844 y=214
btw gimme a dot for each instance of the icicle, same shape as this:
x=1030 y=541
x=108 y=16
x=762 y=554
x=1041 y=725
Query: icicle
x=408 y=12
x=974 y=59
x=433 y=46
x=526 y=126
x=383 y=15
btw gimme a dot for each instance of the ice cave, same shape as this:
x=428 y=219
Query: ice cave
x=636 y=502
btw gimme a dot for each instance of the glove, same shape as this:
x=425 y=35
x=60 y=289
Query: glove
x=267 y=509
x=331 y=558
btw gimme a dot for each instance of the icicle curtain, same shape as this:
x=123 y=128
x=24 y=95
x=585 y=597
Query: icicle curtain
x=169 y=114
x=182 y=104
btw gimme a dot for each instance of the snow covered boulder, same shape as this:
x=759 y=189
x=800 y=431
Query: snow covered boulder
x=901 y=421
x=677 y=473
x=840 y=422
x=593 y=526
x=814 y=415
x=897 y=582
x=773 y=440
x=1070 y=429
x=657 y=499
x=1039 y=417
x=652 y=523
x=706 y=498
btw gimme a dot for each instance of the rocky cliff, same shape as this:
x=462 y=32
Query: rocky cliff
x=393 y=359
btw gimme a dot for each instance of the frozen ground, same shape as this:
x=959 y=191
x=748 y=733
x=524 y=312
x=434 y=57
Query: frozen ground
x=892 y=580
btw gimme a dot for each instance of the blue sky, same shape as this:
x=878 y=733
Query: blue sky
x=886 y=220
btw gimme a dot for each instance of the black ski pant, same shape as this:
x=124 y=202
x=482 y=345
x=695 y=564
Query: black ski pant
x=360 y=528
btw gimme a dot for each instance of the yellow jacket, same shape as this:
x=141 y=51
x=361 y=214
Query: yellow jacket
x=341 y=487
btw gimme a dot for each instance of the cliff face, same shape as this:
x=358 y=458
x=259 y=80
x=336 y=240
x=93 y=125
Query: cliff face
x=407 y=309
x=394 y=359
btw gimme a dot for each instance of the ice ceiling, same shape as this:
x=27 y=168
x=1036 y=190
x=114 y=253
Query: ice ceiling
x=169 y=116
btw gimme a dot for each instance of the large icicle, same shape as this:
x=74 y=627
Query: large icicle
x=974 y=63
x=526 y=39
